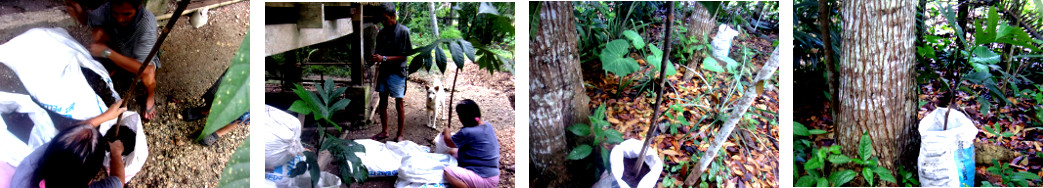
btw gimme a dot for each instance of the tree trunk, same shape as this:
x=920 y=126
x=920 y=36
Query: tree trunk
x=558 y=98
x=699 y=23
x=434 y=20
x=877 y=79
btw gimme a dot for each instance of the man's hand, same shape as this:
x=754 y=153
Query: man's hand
x=376 y=58
x=97 y=49
x=114 y=110
x=116 y=148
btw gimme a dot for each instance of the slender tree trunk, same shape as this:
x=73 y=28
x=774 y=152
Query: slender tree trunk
x=825 y=23
x=877 y=79
x=557 y=97
x=434 y=21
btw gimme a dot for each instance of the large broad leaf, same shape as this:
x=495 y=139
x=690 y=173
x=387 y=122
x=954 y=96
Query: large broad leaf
x=613 y=136
x=865 y=146
x=842 y=177
x=805 y=181
x=884 y=174
x=612 y=59
x=468 y=50
x=233 y=96
x=237 y=169
x=656 y=59
x=710 y=64
x=580 y=152
x=635 y=38
x=983 y=54
x=868 y=175
x=730 y=64
x=313 y=166
x=799 y=129
x=458 y=53
x=440 y=59
x=579 y=129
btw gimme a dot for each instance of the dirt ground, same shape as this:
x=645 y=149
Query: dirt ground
x=192 y=58
x=492 y=92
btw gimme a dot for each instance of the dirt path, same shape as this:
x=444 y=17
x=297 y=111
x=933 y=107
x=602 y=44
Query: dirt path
x=492 y=92
x=193 y=58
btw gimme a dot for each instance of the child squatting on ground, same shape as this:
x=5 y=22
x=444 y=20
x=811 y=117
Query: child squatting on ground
x=475 y=148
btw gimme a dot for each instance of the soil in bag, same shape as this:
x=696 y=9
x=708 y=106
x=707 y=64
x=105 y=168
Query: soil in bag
x=628 y=167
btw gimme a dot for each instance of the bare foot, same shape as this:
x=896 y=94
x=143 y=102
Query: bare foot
x=380 y=136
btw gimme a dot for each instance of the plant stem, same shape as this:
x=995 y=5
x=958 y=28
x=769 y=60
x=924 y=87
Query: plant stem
x=659 y=97
x=449 y=118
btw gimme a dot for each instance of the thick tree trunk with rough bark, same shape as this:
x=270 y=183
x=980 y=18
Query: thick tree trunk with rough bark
x=877 y=79
x=699 y=23
x=557 y=97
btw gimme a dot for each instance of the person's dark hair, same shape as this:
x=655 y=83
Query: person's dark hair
x=72 y=158
x=467 y=110
x=134 y=3
x=389 y=8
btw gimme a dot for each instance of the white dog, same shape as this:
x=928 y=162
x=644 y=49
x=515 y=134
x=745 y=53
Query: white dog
x=435 y=96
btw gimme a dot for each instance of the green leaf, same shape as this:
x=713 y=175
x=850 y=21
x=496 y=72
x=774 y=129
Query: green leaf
x=580 y=152
x=656 y=59
x=816 y=131
x=993 y=20
x=340 y=105
x=1024 y=176
x=468 y=50
x=885 y=175
x=983 y=54
x=730 y=64
x=813 y=164
x=313 y=166
x=865 y=146
x=1006 y=134
x=822 y=182
x=984 y=106
x=839 y=159
x=800 y=130
x=458 y=54
x=842 y=177
x=712 y=65
x=440 y=59
x=613 y=136
x=232 y=99
x=580 y=129
x=301 y=107
x=237 y=169
x=835 y=149
x=635 y=38
x=612 y=59
x=868 y=175
x=805 y=181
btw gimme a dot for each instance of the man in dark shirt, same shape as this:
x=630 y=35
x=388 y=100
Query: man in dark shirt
x=392 y=49
x=123 y=33
x=476 y=148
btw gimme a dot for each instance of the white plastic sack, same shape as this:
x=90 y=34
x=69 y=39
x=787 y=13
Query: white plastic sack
x=43 y=131
x=133 y=162
x=943 y=153
x=378 y=159
x=406 y=148
x=631 y=149
x=440 y=146
x=722 y=43
x=280 y=175
x=48 y=61
x=425 y=168
x=281 y=137
x=406 y=184
x=326 y=180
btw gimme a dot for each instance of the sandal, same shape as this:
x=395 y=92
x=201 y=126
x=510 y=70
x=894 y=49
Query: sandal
x=379 y=136
x=210 y=140
x=144 y=116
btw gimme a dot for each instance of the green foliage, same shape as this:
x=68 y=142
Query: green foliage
x=431 y=56
x=821 y=158
x=343 y=151
x=233 y=96
x=602 y=132
x=1009 y=177
x=237 y=169
x=321 y=106
x=908 y=178
x=614 y=59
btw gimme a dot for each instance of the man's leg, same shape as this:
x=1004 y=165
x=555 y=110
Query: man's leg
x=382 y=108
x=211 y=139
x=399 y=103
x=148 y=78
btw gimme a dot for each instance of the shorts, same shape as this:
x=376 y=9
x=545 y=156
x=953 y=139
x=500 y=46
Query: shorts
x=392 y=83
x=472 y=179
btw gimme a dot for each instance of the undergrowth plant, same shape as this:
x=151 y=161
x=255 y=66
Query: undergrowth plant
x=602 y=132
x=322 y=106
x=1008 y=177
x=614 y=58
x=232 y=99
x=815 y=166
